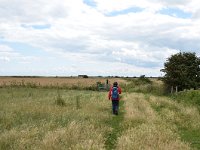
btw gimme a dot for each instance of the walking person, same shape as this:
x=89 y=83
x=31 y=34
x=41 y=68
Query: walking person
x=113 y=95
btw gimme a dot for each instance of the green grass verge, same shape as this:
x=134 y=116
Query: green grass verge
x=188 y=97
x=183 y=121
x=191 y=136
x=191 y=97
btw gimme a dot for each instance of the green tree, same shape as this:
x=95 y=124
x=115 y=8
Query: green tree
x=182 y=70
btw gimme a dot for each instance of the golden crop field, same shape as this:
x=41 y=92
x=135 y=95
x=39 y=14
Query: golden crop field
x=57 y=81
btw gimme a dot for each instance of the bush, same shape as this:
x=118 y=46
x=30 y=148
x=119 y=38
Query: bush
x=143 y=85
x=191 y=97
x=143 y=80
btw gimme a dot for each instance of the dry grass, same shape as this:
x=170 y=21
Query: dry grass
x=136 y=108
x=31 y=119
x=146 y=129
x=50 y=81
x=74 y=136
x=176 y=113
x=150 y=137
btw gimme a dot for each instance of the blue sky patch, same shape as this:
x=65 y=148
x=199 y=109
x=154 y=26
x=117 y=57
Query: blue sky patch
x=175 y=12
x=125 y=11
x=91 y=3
x=41 y=27
x=38 y=27
x=25 y=49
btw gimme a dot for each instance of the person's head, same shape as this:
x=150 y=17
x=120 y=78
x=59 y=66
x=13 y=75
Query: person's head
x=115 y=84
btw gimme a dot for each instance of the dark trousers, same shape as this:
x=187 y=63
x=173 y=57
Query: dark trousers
x=115 y=106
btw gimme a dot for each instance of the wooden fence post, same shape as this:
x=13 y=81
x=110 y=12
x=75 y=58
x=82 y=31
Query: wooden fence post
x=172 y=88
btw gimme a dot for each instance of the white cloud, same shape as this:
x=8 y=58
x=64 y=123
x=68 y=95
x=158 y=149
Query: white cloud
x=4 y=48
x=81 y=33
x=5 y=59
x=7 y=53
x=32 y=11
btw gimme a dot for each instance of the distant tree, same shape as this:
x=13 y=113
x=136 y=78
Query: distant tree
x=182 y=70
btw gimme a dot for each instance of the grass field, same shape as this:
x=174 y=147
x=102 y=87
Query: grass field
x=30 y=119
x=51 y=118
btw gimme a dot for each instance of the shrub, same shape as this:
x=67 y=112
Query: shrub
x=191 y=97
x=143 y=85
x=144 y=79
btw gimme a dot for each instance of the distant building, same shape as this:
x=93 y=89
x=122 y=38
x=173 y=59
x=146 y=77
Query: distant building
x=82 y=76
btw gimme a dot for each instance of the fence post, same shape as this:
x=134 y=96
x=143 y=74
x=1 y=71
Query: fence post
x=176 y=89
x=78 y=102
x=172 y=88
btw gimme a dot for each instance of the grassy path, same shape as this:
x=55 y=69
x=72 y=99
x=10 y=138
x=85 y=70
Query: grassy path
x=153 y=122
x=116 y=124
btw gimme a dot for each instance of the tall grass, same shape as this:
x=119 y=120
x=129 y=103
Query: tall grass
x=22 y=83
x=188 y=118
x=184 y=118
x=59 y=100
x=153 y=122
x=189 y=97
x=144 y=85
x=70 y=83
x=30 y=119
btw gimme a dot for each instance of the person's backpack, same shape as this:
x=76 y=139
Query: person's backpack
x=115 y=93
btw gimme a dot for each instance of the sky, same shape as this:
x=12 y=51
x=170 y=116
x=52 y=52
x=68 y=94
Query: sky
x=95 y=37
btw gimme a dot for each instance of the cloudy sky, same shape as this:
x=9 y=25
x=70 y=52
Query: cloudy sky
x=95 y=37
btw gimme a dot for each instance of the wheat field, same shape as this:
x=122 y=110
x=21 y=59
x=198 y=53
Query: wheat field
x=53 y=81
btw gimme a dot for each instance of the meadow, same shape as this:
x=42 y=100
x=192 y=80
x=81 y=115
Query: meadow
x=64 y=118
